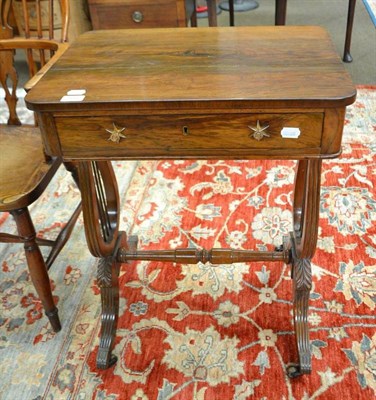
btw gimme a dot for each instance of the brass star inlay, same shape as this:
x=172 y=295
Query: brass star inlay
x=258 y=131
x=116 y=134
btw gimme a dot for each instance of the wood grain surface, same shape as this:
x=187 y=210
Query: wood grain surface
x=275 y=67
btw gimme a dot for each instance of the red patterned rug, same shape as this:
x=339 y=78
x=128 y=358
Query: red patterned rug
x=206 y=332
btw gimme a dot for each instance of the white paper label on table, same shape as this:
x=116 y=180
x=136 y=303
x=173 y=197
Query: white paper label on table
x=72 y=98
x=290 y=133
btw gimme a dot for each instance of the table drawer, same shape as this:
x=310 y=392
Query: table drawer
x=186 y=136
x=137 y=14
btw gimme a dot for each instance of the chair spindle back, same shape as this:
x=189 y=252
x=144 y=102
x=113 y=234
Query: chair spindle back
x=39 y=43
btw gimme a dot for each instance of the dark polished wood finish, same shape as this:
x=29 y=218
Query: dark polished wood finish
x=349 y=26
x=236 y=93
x=25 y=170
x=280 y=12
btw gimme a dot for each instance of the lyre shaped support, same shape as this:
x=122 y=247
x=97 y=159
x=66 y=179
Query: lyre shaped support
x=100 y=202
x=101 y=213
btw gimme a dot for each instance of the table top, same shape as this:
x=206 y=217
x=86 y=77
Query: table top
x=224 y=67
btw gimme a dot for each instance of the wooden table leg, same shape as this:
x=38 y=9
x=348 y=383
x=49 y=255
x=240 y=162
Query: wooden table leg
x=350 y=19
x=303 y=245
x=100 y=206
x=280 y=12
x=212 y=12
x=231 y=12
x=193 y=17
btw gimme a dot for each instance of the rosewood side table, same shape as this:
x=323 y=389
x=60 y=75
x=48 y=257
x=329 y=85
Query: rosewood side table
x=204 y=93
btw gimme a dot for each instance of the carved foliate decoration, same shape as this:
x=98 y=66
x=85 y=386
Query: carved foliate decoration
x=104 y=275
x=302 y=273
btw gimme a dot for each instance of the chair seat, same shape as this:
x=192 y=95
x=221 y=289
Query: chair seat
x=28 y=173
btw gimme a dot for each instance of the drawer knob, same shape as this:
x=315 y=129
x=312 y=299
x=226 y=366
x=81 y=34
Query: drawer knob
x=115 y=134
x=137 y=17
x=258 y=132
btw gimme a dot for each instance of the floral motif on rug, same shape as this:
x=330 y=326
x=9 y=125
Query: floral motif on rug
x=206 y=332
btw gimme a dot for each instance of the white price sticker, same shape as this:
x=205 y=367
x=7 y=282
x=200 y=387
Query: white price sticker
x=290 y=133
x=72 y=98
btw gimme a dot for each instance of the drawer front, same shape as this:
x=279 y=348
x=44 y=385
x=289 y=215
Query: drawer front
x=229 y=136
x=141 y=15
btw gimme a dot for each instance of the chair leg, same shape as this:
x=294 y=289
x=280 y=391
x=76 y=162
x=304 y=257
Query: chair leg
x=349 y=26
x=231 y=12
x=280 y=12
x=193 y=17
x=36 y=265
x=63 y=237
x=212 y=12
x=72 y=168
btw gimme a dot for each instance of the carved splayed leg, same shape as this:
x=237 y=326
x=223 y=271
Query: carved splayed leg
x=303 y=245
x=108 y=281
x=302 y=284
x=100 y=205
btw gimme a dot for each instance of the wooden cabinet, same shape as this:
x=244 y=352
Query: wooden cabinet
x=121 y=14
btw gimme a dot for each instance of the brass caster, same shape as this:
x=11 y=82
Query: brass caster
x=104 y=361
x=113 y=361
x=293 y=370
x=279 y=248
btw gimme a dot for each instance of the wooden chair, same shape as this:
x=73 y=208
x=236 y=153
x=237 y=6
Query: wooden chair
x=25 y=170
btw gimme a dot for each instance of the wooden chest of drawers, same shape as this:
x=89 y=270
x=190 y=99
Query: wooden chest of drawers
x=120 y=14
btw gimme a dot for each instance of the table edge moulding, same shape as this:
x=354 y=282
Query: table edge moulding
x=205 y=93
